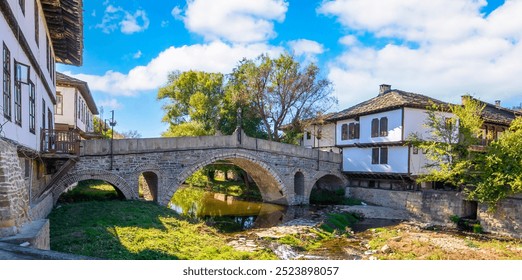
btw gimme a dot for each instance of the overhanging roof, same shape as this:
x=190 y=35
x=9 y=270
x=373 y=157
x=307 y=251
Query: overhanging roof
x=64 y=80
x=65 y=23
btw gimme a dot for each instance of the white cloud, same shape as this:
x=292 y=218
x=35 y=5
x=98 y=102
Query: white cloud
x=127 y=22
x=164 y=23
x=111 y=103
x=133 y=23
x=176 y=13
x=306 y=48
x=213 y=57
x=349 y=40
x=137 y=55
x=235 y=21
x=441 y=48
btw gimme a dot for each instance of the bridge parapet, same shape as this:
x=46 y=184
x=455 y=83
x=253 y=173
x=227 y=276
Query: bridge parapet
x=146 y=145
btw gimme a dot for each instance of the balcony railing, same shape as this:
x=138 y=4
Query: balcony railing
x=60 y=142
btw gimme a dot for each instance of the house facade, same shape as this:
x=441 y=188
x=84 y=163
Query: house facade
x=373 y=137
x=75 y=107
x=34 y=35
x=320 y=135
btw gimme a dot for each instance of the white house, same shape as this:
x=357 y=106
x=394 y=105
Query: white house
x=75 y=107
x=373 y=138
x=33 y=35
x=320 y=135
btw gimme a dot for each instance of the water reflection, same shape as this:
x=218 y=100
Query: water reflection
x=226 y=213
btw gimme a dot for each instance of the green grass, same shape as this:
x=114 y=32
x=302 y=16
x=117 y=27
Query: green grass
x=90 y=190
x=339 y=223
x=137 y=230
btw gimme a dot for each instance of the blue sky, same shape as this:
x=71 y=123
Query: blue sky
x=443 y=48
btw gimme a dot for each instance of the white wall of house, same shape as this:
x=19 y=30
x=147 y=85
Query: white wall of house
x=26 y=21
x=327 y=132
x=68 y=115
x=415 y=120
x=360 y=160
x=365 y=123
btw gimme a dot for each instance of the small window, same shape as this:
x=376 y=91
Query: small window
x=43 y=114
x=375 y=127
x=351 y=131
x=384 y=156
x=375 y=156
x=357 y=130
x=308 y=135
x=27 y=168
x=424 y=151
x=415 y=150
x=384 y=126
x=344 y=132
x=59 y=104
x=32 y=108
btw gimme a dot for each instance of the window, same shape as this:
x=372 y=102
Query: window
x=43 y=114
x=79 y=106
x=18 y=103
x=357 y=130
x=22 y=6
x=375 y=127
x=415 y=150
x=351 y=131
x=344 y=132
x=308 y=135
x=7 y=82
x=384 y=126
x=379 y=155
x=50 y=120
x=32 y=108
x=59 y=104
x=36 y=23
x=375 y=156
x=384 y=156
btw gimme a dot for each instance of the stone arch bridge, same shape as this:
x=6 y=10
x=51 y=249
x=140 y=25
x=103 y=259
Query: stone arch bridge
x=285 y=174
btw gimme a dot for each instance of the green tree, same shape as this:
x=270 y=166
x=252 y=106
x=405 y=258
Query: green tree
x=194 y=102
x=501 y=168
x=450 y=159
x=280 y=92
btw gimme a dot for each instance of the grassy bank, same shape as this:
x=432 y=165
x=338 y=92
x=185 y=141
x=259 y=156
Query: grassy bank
x=114 y=229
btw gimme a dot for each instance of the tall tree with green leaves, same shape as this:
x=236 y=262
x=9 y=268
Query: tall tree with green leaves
x=280 y=92
x=194 y=100
x=501 y=168
x=450 y=159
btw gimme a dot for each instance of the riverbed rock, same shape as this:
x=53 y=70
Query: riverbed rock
x=386 y=249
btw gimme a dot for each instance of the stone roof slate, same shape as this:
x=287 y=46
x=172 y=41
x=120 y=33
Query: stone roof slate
x=386 y=101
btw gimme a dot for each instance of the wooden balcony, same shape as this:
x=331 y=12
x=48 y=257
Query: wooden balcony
x=63 y=142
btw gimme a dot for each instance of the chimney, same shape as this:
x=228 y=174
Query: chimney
x=497 y=103
x=384 y=88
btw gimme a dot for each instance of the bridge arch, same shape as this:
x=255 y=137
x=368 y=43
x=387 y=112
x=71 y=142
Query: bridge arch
x=327 y=180
x=152 y=181
x=266 y=177
x=93 y=174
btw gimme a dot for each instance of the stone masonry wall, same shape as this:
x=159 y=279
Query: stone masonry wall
x=436 y=207
x=506 y=220
x=14 y=199
x=429 y=206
